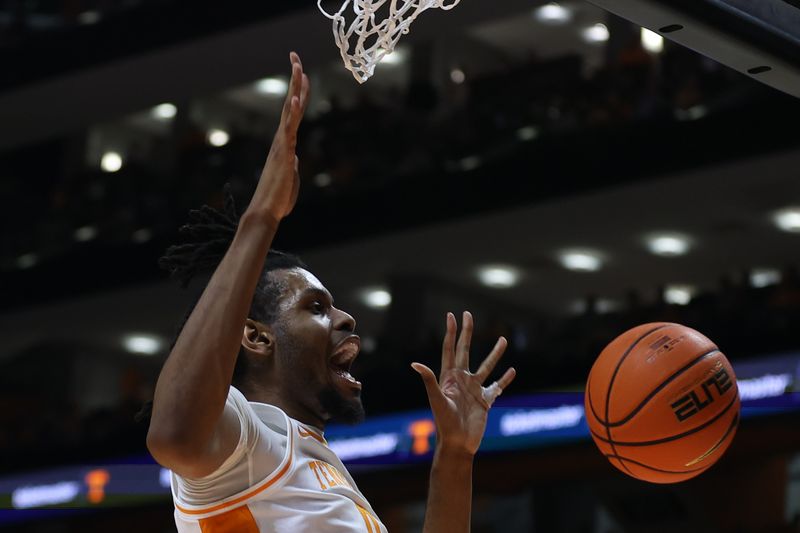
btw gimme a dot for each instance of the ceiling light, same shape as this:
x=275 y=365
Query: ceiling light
x=606 y=305
x=581 y=260
x=141 y=236
x=651 y=41
x=679 y=294
x=695 y=112
x=324 y=106
x=552 y=13
x=143 y=344
x=217 y=137
x=577 y=307
x=323 y=179
x=368 y=344
x=764 y=277
x=394 y=57
x=787 y=219
x=272 y=86
x=89 y=17
x=527 y=133
x=668 y=244
x=469 y=163
x=498 y=276
x=85 y=234
x=597 y=33
x=111 y=162
x=377 y=298
x=165 y=111
x=27 y=261
x=457 y=76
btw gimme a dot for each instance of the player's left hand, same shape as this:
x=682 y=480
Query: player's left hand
x=459 y=401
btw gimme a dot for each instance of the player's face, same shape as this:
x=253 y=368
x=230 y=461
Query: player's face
x=316 y=345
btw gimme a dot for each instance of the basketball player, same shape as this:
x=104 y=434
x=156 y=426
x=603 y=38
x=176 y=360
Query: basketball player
x=263 y=363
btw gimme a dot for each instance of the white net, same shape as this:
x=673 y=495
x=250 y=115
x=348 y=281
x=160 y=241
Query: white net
x=369 y=36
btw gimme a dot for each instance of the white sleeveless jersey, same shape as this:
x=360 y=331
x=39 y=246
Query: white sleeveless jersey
x=282 y=477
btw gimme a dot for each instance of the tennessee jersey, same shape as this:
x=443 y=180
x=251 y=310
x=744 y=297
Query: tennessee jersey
x=282 y=477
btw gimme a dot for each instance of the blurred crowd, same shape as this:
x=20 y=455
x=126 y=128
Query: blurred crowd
x=42 y=426
x=369 y=145
x=556 y=353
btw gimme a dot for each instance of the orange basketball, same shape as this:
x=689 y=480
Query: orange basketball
x=662 y=402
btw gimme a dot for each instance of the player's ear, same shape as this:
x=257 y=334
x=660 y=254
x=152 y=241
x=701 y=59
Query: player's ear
x=258 y=338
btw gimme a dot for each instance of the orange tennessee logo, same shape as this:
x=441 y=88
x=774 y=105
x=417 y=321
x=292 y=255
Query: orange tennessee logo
x=97 y=481
x=421 y=431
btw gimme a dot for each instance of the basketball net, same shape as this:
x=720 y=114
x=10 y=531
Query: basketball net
x=375 y=36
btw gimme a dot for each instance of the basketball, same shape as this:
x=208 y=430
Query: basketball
x=662 y=403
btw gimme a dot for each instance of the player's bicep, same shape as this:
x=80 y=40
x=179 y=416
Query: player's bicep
x=198 y=460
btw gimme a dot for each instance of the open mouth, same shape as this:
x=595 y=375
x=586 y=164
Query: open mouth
x=342 y=359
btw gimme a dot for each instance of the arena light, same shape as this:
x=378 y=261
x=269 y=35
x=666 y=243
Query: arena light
x=597 y=33
x=272 y=86
x=217 y=137
x=143 y=344
x=396 y=57
x=323 y=179
x=581 y=260
x=527 y=133
x=787 y=219
x=651 y=41
x=668 y=244
x=376 y=298
x=27 y=261
x=111 y=162
x=368 y=344
x=695 y=112
x=764 y=277
x=85 y=233
x=577 y=307
x=679 y=294
x=457 y=76
x=498 y=276
x=552 y=13
x=87 y=18
x=470 y=163
x=165 y=111
x=604 y=306
x=141 y=236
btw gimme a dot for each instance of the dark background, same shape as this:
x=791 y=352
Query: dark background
x=411 y=182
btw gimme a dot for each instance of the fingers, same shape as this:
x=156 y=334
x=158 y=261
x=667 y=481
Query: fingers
x=507 y=378
x=491 y=393
x=435 y=396
x=295 y=87
x=449 y=344
x=491 y=360
x=464 y=340
x=305 y=89
x=293 y=91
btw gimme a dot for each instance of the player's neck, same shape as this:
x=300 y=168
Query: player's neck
x=293 y=409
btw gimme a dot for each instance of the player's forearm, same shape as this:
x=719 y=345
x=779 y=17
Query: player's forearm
x=450 y=493
x=193 y=385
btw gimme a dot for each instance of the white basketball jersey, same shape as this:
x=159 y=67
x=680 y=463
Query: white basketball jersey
x=282 y=477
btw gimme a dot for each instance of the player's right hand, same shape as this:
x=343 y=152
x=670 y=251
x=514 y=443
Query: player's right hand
x=279 y=184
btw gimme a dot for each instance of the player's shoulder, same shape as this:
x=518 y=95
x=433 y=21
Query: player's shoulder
x=264 y=417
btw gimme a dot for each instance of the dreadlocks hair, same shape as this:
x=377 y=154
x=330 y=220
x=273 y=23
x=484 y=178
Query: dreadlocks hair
x=208 y=235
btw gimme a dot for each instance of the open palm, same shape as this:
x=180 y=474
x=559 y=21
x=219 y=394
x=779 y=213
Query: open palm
x=459 y=401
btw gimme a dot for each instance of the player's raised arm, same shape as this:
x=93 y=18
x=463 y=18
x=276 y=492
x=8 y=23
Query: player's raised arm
x=191 y=430
x=460 y=405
